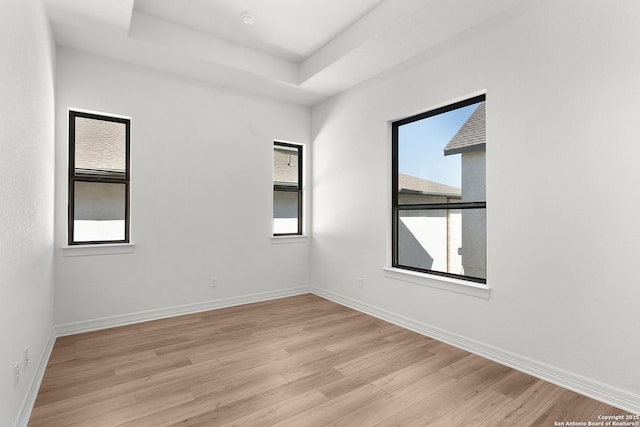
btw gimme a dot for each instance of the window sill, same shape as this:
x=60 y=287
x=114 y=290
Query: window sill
x=280 y=240
x=439 y=282
x=108 y=249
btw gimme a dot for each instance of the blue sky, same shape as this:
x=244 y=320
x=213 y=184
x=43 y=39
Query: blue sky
x=421 y=146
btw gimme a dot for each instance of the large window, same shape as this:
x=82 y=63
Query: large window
x=439 y=201
x=98 y=179
x=287 y=189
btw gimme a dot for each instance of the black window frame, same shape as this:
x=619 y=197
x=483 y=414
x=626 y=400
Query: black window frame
x=290 y=188
x=114 y=178
x=397 y=208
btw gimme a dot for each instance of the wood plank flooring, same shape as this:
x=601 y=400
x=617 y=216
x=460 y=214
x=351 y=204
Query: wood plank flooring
x=301 y=361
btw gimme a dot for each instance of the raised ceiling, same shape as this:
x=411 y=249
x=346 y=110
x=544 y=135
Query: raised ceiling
x=302 y=51
x=289 y=29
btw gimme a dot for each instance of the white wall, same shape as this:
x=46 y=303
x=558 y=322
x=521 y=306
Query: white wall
x=26 y=196
x=562 y=110
x=201 y=192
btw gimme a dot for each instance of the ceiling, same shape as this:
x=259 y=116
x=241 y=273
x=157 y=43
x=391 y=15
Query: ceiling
x=289 y=29
x=302 y=51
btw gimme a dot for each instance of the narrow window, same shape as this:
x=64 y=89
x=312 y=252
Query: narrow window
x=98 y=179
x=439 y=202
x=287 y=189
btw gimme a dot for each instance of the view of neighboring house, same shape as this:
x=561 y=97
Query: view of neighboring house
x=99 y=208
x=470 y=141
x=429 y=239
x=448 y=240
x=285 y=203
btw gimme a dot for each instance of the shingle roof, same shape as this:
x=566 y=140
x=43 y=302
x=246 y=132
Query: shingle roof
x=411 y=184
x=100 y=145
x=471 y=136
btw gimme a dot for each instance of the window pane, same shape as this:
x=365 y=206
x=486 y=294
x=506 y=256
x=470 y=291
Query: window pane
x=445 y=240
x=285 y=212
x=99 y=211
x=285 y=166
x=100 y=146
x=441 y=159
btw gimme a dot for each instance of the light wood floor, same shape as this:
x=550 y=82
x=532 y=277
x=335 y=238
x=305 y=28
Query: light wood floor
x=300 y=361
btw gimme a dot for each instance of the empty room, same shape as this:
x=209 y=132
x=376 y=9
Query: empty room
x=310 y=213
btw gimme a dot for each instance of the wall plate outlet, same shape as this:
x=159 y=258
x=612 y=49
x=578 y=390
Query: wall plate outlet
x=213 y=281
x=25 y=362
x=16 y=374
x=359 y=282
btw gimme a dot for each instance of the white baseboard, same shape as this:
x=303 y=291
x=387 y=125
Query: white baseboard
x=163 y=313
x=585 y=386
x=594 y=389
x=110 y=322
x=32 y=392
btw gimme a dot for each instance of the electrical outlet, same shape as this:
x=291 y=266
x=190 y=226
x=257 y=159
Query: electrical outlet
x=213 y=281
x=25 y=362
x=359 y=282
x=16 y=374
